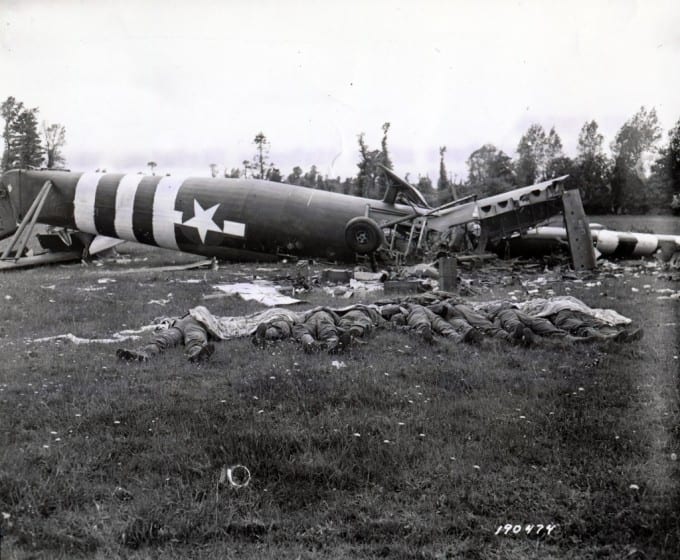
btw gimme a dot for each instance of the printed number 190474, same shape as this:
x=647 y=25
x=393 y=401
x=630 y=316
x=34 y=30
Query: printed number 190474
x=527 y=529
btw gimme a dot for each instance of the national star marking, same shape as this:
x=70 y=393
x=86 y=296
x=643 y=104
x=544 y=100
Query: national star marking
x=203 y=220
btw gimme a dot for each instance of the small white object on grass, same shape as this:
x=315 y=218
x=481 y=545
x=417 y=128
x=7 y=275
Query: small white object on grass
x=238 y=476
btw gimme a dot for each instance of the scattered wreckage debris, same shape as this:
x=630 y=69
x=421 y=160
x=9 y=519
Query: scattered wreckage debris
x=472 y=275
x=115 y=338
x=262 y=291
x=203 y=264
x=39 y=259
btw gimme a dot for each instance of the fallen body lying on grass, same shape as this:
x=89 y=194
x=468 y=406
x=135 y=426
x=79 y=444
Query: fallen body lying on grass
x=337 y=329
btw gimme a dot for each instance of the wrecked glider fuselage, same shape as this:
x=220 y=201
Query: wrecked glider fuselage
x=237 y=219
x=223 y=218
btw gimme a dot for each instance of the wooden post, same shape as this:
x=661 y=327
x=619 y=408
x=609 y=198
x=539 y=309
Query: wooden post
x=578 y=231
x=447 y=274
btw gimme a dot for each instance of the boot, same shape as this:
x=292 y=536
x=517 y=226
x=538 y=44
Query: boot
x=131 y=355
x=473 y=336
x=310 y=346
x=203 y=354
x=259 y=336
x=343 y=343
x=427 y=335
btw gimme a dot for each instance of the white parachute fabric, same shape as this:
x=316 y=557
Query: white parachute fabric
x=540 y=307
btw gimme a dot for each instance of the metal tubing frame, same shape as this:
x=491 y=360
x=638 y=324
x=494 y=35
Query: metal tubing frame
x=28 y=223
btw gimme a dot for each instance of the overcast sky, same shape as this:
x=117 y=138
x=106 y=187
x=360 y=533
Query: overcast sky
x=189 y=83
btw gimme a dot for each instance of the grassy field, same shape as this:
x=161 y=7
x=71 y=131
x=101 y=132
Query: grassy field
x=399 y=450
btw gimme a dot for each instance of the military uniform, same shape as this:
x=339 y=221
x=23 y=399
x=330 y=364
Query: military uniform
x=425 y=322
x=477 y=320
x=186 y=330
x=360 y=320
x=319 y=329
x=277 y=327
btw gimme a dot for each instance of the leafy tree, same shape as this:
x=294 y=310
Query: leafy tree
x=323 y=183
x=273 y=174
x=664 y=180
x=310 y=178
x=531 y=151
x=371 y=182
x=553 y=147
x=637 y=136
x=659 y=189
x=540 y=156
x=591 y=171
x=152 y=166
x=11 y=109
x=558 y=166
x=235 y=173
x=334 y=185
x=25 y=142
x=213 y=170
x=489 y=171
x=628 y=190
x=460 y=188
x=425 y=186
x=295 y=178
x=348 y=186
x=673 y=155
x=589 y=141
x=22 y=141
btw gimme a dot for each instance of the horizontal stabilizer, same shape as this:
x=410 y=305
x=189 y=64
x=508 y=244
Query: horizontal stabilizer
x=102 y=243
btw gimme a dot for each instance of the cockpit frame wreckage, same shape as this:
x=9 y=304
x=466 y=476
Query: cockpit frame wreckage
x=247 y=220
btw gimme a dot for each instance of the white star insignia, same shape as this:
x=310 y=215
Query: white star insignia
x=203 y=220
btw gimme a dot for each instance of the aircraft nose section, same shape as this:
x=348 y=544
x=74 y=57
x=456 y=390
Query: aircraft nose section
x=8 y=221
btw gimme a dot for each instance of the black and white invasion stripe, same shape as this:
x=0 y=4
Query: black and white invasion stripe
x=144 y=209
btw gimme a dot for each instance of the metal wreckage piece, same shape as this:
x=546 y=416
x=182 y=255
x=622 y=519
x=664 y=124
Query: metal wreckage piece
x=245 y=219
x=617 y=244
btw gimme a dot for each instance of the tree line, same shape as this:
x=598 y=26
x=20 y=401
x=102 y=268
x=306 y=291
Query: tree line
x=641 y=172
